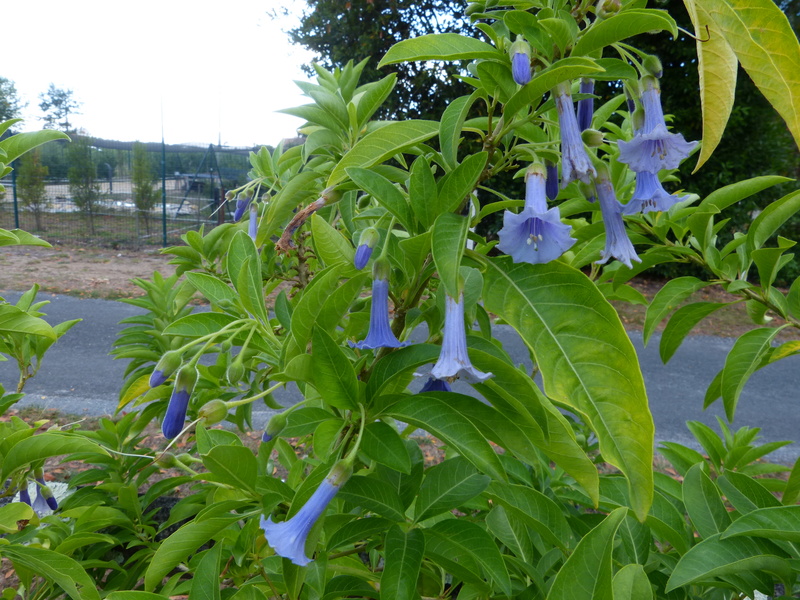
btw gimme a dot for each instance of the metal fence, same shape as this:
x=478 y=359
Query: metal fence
x=189 y=184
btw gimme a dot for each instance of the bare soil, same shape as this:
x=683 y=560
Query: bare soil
x=105 y=273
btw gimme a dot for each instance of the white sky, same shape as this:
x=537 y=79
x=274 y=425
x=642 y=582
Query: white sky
x=220 y=69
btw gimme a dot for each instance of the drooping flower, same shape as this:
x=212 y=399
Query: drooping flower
x=380 y=333
x=44 y=492
x=520 y=61
x=453 y=359
x=252 y=226
x=24 y=494
x=165 y=367
x=551 y=188
x=649 y=195
x=288 y=538
x=179 y=401
x=275 y=425
x=618 y=245
x=366 y=243
x=435 y=385
x=586 y=105
x=535 y=235
x=575 y=163
x=653 y=147
x=242 y=202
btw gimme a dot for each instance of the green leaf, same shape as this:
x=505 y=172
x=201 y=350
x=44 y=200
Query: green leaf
x=381 y=144
x=452 y=123
x=17 y=145
x=667 y=299
x=232 y=465
x=371 y=96
x=461 y=182
x=771 y=218
x=587 y=575
x=565 y=69
x=15 y=320
x=775 y=523
x=383 y=444
x=448 y=485
x=703 y=503
x=472 y=540
x=440 y=46
x=681 y=323
x=212 y=288
x=205 y=579
x=334 y=375
x=403 y=555
x=135 y=595
x=745 y=493
x=199 y=324
x=45 y=445
x=13 y=512
x=717 y=67
x=586 y=359
x=373 y=495
x=437 y=417
x=715 y=557
x=356 y=530
x=422 y=192
x=724 y=197
x=792 y=489
x=623 y=25
x=310 y=304
x=386 y=193
x=535 y=509
x=741 y=362
x=631 y=583
x=331 y=246
x=178 y=546
x=63 y=571
x=767 y=48
x=448 y=239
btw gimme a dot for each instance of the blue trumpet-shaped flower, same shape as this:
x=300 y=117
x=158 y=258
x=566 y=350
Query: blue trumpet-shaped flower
x=653 y=147
x=435 y=385
x=520 y=61
x=453 y=359
x=380 y=333
x=575 y=163
x=649 y=195
x=618 y=245
x=179 y=401
x=366 y=243
x=586 y=105
x=288 y=538
x=536 y=234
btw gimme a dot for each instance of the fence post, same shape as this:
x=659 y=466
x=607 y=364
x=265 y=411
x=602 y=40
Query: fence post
x=163 y=193
x=14 y=165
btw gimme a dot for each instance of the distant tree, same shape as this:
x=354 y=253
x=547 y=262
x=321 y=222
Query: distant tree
x=342 y=30
x=143 y=181
x=82 y=174
x=57 y=105
x=31 y=185
x=10 y=103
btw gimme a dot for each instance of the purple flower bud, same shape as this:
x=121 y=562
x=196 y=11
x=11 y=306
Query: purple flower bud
x=242 y=202
x=252 y=226
x=367 y=241
x=453 y=359
x=179 y=401
x=586 y=105
x=552 y=180
x=288 y=538
x=435 y=385
x=649 y=195
x=275 y=425
x=165 y=367
x=618 y=245
x=575 y=163
x=24 y=495
x=521 y=61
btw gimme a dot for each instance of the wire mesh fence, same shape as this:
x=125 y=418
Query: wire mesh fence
x=113 y=194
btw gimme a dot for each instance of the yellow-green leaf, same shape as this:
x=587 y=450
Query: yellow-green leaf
x=760 y=35
x=717 y=66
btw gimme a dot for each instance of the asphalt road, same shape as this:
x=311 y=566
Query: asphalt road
x=79 y=377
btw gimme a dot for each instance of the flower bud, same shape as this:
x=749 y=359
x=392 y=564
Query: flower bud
x=552 y=179
x=252 y=226
x=520 y=61
x=229 y=195
x=653 y=66
x=366 y=243
x=236 y=370
x=213 y=412
x=364 y=201
x=592 y=138
x=187 y=459
x=474 y=7
x=340 y=473
x=167 y=460
x=179 y=401
x=608 y=8
x=165 y=367
x=274 y=427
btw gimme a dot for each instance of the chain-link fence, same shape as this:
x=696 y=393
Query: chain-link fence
x=120 y=194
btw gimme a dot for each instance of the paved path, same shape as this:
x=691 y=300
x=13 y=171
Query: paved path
x=79 y=377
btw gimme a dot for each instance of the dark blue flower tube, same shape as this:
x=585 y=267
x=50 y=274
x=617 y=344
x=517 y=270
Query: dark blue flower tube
x=575 y=163
x=179 y=401
x=586 y=105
